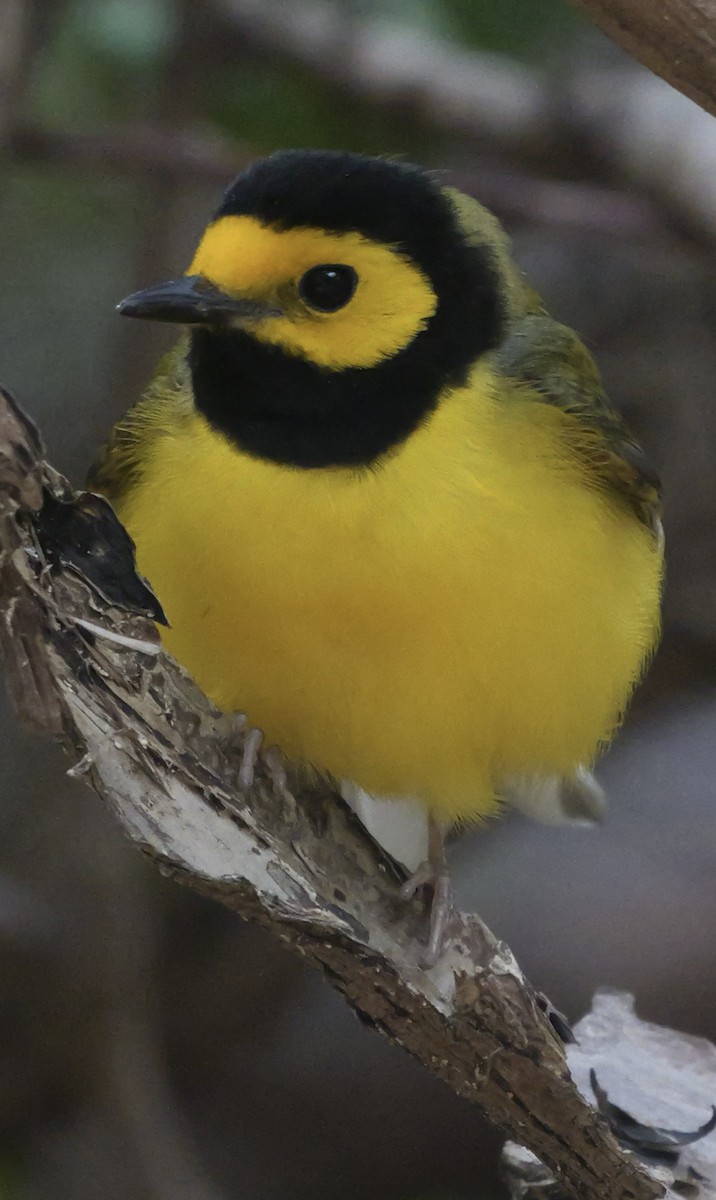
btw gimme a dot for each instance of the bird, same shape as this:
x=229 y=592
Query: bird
x=384 y=500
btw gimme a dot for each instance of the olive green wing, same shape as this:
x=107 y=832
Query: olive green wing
x=166 y=402
x=554 y=362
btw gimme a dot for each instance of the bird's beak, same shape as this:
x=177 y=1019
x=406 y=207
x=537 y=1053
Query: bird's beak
x=194 y=300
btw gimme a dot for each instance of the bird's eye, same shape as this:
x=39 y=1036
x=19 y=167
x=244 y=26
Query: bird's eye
x=328 y=287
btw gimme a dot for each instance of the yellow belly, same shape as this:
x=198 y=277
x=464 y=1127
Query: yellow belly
x=469 y=610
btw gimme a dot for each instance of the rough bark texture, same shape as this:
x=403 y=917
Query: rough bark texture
x=663 y=1085
x=674 y=38
x=84 y=665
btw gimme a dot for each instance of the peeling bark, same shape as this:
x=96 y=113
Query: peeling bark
x=84 y=665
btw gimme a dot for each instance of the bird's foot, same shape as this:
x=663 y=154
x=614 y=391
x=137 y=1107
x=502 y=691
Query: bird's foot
x=252 y=748
x=433 y=873
x=275 y=763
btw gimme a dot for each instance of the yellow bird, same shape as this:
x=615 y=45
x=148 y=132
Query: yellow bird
x=382 y=497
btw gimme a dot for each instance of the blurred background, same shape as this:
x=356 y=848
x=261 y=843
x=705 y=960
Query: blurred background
x=152 y=1046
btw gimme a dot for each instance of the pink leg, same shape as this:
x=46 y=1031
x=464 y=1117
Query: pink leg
x=433 y=873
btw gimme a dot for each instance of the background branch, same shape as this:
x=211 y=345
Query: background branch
x=519 y=124
x=674 y=38
x=81 y=667
x=592 y=120
x=425 y=74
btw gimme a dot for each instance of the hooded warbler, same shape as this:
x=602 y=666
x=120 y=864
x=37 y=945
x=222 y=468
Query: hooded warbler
x=382 y=497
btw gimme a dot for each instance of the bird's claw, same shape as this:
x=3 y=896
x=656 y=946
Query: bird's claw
x=271 y=757
x=249 y=757
x=275 y=765
x=421 y=877
x=433 y=873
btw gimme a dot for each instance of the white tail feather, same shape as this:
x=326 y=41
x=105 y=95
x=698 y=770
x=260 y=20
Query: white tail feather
x=573 y=800
x=399 y=826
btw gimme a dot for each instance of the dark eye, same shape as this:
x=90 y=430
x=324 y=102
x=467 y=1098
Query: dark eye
x=328 y=287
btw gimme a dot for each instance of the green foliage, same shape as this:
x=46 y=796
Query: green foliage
x=102 y=62
x=528 y=28
x=428 y=14
x=128 y=32
x=10 y=1180
x=105 y=57
x=273 y=107
x=276 y=106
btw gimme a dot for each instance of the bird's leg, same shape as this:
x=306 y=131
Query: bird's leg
x=433 y=872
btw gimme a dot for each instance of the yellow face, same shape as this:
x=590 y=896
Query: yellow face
x=388 y=299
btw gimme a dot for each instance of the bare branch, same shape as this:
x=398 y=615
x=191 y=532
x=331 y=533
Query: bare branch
x=143 y=149
x=675 y=39
x=666 y=145
x=13 y=16
x=449 y=86
x=662 y=143
x=297 y=861
x=164 y=153
x=660 y=1087
x=21 y=29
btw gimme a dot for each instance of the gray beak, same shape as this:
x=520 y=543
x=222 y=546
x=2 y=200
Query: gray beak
x=193 y=300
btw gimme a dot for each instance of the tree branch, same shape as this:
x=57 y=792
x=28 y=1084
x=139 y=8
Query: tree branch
x=627 y=117
x=658 y=1088
x=387 y=62
x=170 y=155
x=675 y=39
x=596 y=118
x=146 y=149
x=84 y=664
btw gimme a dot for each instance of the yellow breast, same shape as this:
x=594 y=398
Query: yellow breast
x=472 y=608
